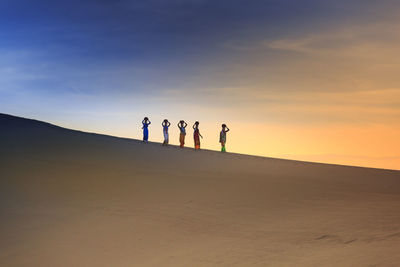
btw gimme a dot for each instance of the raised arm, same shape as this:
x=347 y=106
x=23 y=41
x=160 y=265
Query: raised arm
x=178 y=125
x=169 y=124
x=185 y=125
x=149 y=123
x=227 y=129
x=193 y=126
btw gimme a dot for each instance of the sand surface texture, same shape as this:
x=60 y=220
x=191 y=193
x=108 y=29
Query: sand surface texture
x=70 y=198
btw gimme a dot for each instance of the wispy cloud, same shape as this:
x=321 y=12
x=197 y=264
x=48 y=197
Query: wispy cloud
x=371 y=41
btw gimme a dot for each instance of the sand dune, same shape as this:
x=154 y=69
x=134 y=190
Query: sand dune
x=70 y=198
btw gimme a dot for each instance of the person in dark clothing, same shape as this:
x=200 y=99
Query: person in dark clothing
x=222 y=137
x=146 y=122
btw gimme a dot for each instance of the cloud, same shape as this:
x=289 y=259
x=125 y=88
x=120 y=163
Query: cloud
x=347 y=107
x=379 y=106
x=370 y=41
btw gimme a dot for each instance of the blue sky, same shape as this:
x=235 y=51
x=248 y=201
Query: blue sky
x=155 y=43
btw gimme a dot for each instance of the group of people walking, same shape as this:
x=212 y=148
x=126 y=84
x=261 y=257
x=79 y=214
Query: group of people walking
x=182 y=128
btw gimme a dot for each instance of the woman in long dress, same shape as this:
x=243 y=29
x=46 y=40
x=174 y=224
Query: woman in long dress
x=222 y=137
x=182 y=127
x=146 y=122
x=196 y=135
x=165 y=126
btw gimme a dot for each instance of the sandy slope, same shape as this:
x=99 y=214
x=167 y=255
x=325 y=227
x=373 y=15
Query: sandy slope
x=76 y=199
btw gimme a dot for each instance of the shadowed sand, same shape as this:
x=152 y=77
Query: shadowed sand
x=70 y=198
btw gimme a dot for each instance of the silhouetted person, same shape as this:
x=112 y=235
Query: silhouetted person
x=196 y=135
x=146 y=122
x=182 y=125
x=165 y=124
x=222 y=137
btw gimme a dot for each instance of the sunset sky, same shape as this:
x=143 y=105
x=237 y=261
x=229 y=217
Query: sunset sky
x=313 y=80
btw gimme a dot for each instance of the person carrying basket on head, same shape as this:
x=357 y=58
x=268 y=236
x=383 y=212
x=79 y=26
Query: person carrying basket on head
x=196 y=135
x=222 y=137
